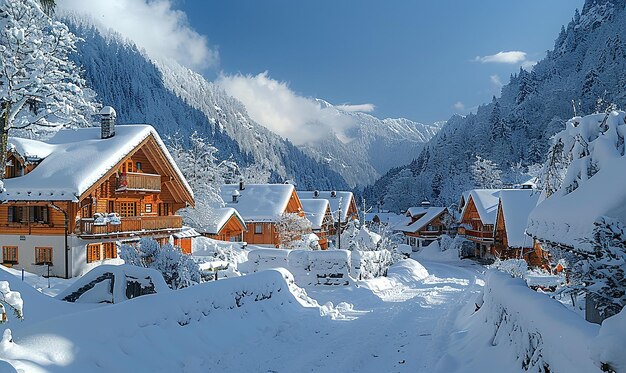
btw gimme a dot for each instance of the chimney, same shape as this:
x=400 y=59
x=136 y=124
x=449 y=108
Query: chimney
x=235 y=195
x=242 y=186
x=316 y=193
x=333 y=194
x=425 y=204
x=107 y=122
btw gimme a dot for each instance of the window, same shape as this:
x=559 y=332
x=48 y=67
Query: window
x=43 y=255
x=258 y=229
x=16 y=214
x=110 y=250
x=9 y=254
x=148 y=207
x=432 y=228
x=138 y=166
x=93 y=252
x=38 y=214
x=127 y=209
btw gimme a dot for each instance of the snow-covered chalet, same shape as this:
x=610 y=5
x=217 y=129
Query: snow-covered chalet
x=423 y=224
x=340 y=201
x=69 y=201
x=317 y=211
x=260 y=206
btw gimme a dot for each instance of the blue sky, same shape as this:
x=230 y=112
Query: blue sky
x=408 y=58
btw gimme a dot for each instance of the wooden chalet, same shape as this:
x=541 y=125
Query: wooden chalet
x=317 y=211
x=423 y=224
x=478 y=218
x=339 y=201
x=225 y=224
x=70 y=200
x=510 y=238
x=260 y=206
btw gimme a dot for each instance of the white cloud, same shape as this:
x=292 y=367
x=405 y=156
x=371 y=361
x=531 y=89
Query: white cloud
x=528 y=64
x=163 y=32
x=495 y=80
x=511 y=57
x=274 y=105
x=459 y=106
x=365 y=108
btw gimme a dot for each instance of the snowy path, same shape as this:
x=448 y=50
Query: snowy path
x=405 y=331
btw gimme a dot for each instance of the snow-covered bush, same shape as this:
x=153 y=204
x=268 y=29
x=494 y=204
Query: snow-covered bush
x=12 y=299
x=515 y=267
x=219 y=250
x=486 y=174
x=178 y=269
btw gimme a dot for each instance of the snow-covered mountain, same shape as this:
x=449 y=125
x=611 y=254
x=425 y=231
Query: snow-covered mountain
x=176 y=100
x=374 y=145
x=585 y=72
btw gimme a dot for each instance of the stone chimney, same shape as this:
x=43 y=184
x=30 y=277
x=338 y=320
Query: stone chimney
x=107 y=122
x=235 y=195
x=425 y=204
x=242 y=185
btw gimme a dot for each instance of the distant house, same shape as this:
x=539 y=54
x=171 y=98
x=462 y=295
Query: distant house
x=260 y=206
x=423 y=224
x=224 y=224
x=317 y=211
x=478 y=218
x=69 y=200
x=510 y=239
x=347 y=207
x=389 y=219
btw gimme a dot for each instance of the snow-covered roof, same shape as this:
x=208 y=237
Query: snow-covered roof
x=74 y=160
x=486 y=202
x=187 y=232
x=388 y=218
x=428 y=214
x=315 y=211
x=568 y=218
x=217 y=218
x=258 y=202
x=345 y=197
x=516 y=206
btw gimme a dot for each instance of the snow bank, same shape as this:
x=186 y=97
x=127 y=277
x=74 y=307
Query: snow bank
x=114 y=284
x=370 y=264
x=433 y=252
x=178 y=326
x=608 y=347
x=407 y=271
x=537 y=331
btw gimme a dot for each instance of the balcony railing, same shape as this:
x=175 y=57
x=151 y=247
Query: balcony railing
x=137 y=182
x=131 y=224
x=486 y=236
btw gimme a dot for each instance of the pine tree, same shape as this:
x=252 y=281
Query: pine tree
x=293 y=230
x=40 y=86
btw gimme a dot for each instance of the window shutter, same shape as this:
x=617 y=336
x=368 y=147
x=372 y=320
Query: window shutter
x=31 y=214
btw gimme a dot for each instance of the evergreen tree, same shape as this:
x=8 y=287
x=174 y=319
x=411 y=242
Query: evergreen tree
x=486 y=174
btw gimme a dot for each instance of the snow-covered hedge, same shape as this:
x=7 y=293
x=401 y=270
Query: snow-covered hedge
x=544 y=335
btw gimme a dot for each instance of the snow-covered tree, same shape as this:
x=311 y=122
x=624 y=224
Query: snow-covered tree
x=40 y=87
x=604 y=270
x=178 y=269
x=486 y=174
x=291 y=229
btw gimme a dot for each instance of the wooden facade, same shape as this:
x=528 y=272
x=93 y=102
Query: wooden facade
x=137 y=197
x=473 y=228
x=233 y=231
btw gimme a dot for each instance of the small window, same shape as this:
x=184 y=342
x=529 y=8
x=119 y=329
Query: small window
x=16 y=214
x=138 y=166
x=258 y=229
x=148 y=207
x=38 y=214
x=9 y=254
x=43 y=255
x=110 y=250
x=93 y=252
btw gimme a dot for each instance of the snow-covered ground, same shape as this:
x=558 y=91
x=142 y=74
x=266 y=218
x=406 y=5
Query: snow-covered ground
x=421 y=317
x=260 y=322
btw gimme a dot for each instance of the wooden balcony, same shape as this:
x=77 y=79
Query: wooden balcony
x=138 y=182
x=476 y=235
x=131 y=224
